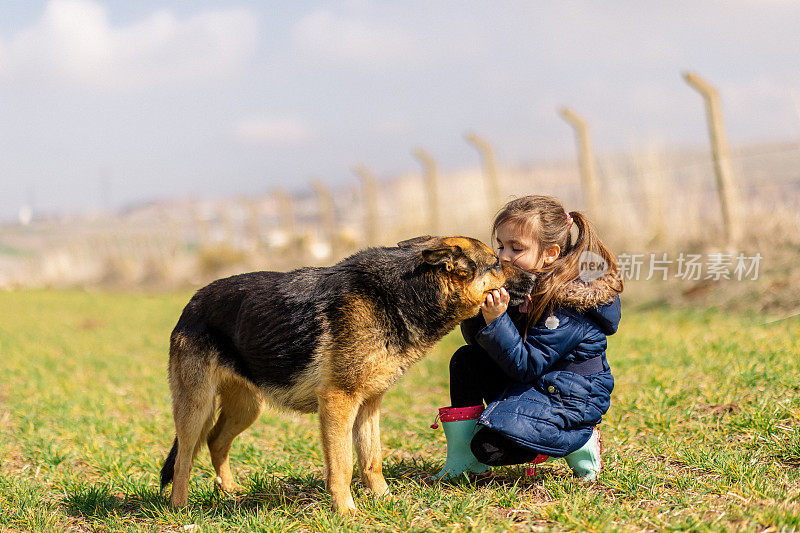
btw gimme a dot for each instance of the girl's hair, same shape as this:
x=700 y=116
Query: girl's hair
x=545 y=218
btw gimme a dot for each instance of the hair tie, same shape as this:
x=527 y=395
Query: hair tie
x=569 y=220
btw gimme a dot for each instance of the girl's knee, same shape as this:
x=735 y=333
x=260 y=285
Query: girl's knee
x=493 y=449
x=485 y=449
x=464 y=356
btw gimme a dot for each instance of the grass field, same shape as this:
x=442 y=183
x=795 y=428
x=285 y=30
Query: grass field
x=703 y=434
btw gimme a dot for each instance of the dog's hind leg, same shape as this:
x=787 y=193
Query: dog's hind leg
x=337 y=413
x=193 y=393
x=367 y=441
x=240 y=406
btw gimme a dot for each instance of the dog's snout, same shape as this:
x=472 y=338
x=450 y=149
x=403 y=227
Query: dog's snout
x=524 y=282
x=519 y=284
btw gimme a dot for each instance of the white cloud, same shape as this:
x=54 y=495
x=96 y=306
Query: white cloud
x=74 y=42
x=351 y=39
x=284 y=131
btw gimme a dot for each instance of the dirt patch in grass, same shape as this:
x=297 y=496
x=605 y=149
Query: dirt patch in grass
x=788 y=459
x=676 y=467
x=90 y=324
x=523 y=519
x=718 y=410
x=78 y=525
x=12 y=460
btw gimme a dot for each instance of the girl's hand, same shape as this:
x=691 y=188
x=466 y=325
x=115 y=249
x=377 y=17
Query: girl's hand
x=495 y=304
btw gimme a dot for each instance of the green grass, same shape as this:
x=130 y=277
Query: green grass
x=703 y=434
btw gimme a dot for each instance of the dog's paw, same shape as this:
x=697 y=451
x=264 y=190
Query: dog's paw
x=388 y=498
x=343 y=504
x=226 y=487
x=347 y=510
x=378 y=487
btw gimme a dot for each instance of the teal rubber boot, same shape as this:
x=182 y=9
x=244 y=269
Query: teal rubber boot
x=459 y=428
x=586 y=462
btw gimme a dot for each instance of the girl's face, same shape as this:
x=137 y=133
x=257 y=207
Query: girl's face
x=516 y=247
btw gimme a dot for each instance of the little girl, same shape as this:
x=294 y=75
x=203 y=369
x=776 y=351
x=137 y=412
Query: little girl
x=540 y=367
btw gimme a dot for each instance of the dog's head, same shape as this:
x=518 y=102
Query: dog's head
x=469 y=270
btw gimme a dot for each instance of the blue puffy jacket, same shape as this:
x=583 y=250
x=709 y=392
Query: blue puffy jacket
x=547 y=407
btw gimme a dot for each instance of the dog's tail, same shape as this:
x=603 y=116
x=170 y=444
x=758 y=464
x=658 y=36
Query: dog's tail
x=168 y=470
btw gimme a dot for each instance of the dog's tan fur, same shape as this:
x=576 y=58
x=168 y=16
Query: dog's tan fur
x=345 y=382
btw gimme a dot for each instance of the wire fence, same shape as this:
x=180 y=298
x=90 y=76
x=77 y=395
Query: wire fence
x=655 y=200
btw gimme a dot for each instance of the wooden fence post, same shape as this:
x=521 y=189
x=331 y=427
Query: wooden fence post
x=588 y=164
x=431 y=182
x=651 y=172
x=285 y=212
x=489 y=171
x=228 y=227
x=370 y=192
x=253 y=224
x=728 y=197
x=327 y=214
x=202 y=225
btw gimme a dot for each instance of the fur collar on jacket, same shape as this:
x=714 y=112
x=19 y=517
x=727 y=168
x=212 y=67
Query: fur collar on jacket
x=582 y=296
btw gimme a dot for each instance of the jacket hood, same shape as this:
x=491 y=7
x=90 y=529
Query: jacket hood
x=595 y=299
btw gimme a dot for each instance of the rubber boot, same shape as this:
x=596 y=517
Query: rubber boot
x=586 y=462
x=459 y=428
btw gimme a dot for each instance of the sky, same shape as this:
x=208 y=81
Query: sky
x=108 y=103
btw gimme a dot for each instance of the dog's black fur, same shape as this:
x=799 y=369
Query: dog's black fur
x=268 y=327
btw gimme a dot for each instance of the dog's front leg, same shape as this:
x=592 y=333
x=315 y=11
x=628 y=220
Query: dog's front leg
x=367 y=440
x=337 y=413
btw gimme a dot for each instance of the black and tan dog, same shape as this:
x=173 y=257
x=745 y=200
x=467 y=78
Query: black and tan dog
x=329 y=339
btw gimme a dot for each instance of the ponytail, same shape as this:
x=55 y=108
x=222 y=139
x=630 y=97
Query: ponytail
x=566 y=268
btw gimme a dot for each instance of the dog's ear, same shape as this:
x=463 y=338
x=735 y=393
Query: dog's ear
x=416 y=241
x=452 y=258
